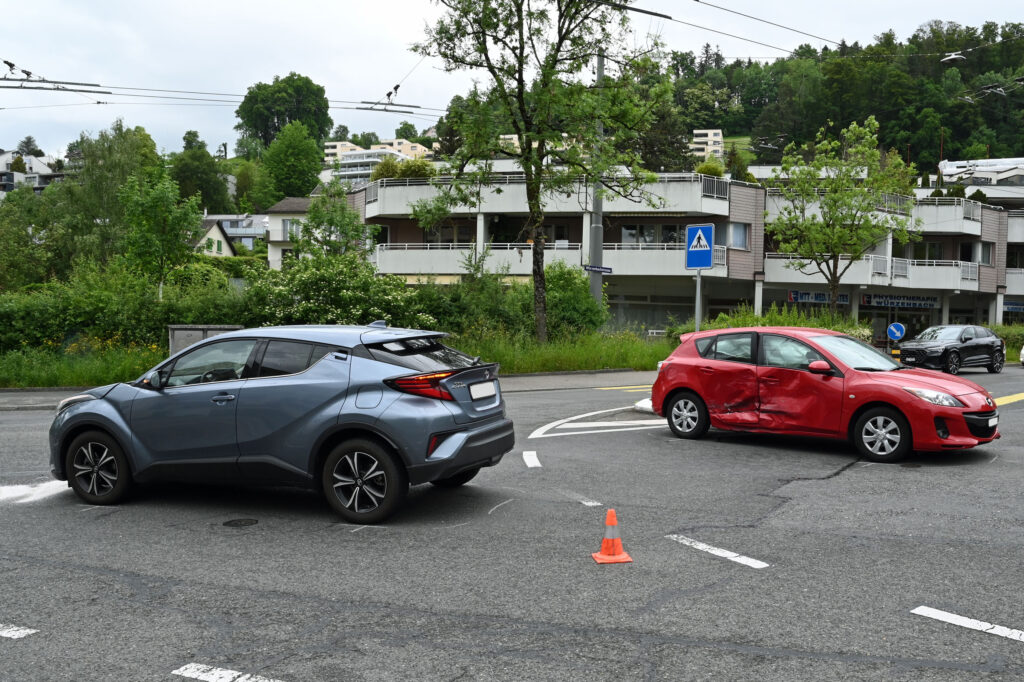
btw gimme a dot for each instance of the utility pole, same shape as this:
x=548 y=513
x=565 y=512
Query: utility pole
x=597 y=214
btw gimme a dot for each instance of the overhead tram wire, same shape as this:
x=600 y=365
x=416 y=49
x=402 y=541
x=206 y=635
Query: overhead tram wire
x=788 y=28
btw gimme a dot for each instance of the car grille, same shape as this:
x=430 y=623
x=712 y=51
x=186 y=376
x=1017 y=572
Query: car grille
x=977 y=423
x=915 y=356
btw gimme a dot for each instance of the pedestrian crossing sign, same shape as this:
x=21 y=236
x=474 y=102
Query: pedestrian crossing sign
x=699 y=239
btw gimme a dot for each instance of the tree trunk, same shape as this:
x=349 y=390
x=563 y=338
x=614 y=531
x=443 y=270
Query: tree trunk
x=536 y=220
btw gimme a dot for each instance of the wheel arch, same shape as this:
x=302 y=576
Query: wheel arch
x=670 y=395
x=870 y=406
x=78 y=429
x=333 y=438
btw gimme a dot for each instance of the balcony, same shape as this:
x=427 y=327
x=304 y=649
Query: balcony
x=1015 y=226
x=877 y=270
x=1015 y=281
x=948 y=215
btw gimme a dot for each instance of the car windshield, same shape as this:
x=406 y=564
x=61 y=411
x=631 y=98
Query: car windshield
x=856 y=354
x=939 y=334
x=421 y=354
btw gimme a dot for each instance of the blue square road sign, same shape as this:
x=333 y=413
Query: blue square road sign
x=699 y=246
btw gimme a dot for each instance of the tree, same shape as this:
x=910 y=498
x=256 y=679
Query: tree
x=332 y=227
x=364 y=140
x=18 y=165
x=24 y=257
x=405 y=131
x=196 y=172
x=831 y=194
x=269 y=107
x=28 y=147
x=534 y=54
x=163 y=228
x=293 y=161
x=340 y=133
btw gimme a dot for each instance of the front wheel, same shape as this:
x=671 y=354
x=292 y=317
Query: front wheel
x=997 y=363
x=97 y=468
x=882 y=435
x=687 y=415
x=363 y=482
x=952 y=365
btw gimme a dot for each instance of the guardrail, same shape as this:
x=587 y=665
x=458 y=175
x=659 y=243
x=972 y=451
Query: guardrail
x=467 y=246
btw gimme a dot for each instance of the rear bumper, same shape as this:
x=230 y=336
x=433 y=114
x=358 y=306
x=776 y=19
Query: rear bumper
x=480 y=447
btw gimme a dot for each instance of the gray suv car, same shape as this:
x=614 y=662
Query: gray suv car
x=359 y=412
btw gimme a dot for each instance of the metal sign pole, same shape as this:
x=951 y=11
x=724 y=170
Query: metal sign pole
x=697 y=306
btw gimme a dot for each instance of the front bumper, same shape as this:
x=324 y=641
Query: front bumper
x=480 y=447
x=954 y=428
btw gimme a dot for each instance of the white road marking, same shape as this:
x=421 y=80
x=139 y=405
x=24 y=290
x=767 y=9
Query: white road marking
x=962 y=621
x=207 y=673
x=544 y=431
x=530 y=457
x=585 y=501
x=717 y=551
x=356 y=530
x=625 y=422
x=15 y=632
x=499 y=505
x=31 y=493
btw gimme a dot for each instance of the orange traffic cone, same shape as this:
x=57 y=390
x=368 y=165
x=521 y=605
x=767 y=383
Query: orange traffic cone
x=611 y=546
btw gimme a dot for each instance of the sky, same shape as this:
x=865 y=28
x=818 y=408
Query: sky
x=357 y=50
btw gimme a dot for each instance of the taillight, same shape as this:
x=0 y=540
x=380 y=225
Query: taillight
x=426 y=385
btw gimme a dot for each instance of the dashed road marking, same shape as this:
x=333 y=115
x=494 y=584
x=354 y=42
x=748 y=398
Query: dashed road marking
x=31 y=493
x=15 y=632
x=530 y=458
x=717 y=551
x=207 y=673
x=962 y=621
x=1007 y=399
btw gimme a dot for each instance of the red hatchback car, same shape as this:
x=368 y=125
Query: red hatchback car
x=816 y=382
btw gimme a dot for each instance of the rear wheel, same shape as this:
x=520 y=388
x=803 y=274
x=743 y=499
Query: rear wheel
x=997 y=362
x=952 y=364
x=882 y=435
x=97 y=468
x=363 y=482
x=687 y=415
x=461 y=478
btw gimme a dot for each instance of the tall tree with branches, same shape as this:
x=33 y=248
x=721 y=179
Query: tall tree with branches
x=536 y=56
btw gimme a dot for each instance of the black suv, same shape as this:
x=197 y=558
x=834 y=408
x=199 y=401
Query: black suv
x=951 y=346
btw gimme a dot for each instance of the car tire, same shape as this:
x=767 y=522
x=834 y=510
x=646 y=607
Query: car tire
x=363 y=482
x=687 y=415
x=461 y=478
x=97 y=468
x=952 y=363
x=883 y=435
x=997 y=363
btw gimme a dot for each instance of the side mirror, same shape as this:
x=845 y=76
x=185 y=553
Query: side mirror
x=154 y=380
x=819 y=367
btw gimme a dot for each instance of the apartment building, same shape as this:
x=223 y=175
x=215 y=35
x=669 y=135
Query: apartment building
x=708 y=143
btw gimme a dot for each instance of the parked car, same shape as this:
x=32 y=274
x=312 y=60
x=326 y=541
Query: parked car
x=358 y=412
x=816 y=382
x=950 y=347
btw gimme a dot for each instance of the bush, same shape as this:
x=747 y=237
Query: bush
x=785 y=316
x=710 y=167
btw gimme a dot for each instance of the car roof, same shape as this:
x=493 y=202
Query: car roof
x=803 y=332
x=333 y=334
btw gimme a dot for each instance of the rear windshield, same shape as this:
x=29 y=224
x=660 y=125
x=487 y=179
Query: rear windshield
x=422 y=355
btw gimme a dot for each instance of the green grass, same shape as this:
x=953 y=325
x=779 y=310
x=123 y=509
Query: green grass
x=34 y=367
x=741 y=142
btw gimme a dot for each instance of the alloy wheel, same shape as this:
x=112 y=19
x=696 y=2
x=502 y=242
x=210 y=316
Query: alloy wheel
x=359 y=482
x=95 y=468
x=881 y=435
x=953 y=363
x=685 y=415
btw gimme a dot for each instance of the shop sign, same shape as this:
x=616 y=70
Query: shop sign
x=815 y=297
x=899 y=301
x=1013 y=307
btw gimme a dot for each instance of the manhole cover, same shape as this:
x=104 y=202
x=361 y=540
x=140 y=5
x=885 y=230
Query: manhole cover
x=911 y=465
x=240 y=523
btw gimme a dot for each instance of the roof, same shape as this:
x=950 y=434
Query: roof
x=333 y=334
x=291 y=205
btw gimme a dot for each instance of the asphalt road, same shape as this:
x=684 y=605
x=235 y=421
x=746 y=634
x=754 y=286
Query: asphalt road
x=495 y=581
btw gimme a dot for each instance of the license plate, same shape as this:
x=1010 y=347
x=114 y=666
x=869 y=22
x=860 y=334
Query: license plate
x=908 y=359
x=484 y=390
x=993 y=421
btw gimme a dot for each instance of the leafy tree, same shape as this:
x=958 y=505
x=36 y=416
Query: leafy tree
x=254 y=188
x=293 y=161
x=364 y=140
x=196 y=172
x=28 y=147
x=534 y=53
x=249 y=148
x=405 y=131
x=332 y=227
x=18 y=165
x=710 y=166
x=163 y=228
x=834 y=229
x=24 y=257
x=390 y=167
x=340 y=133
x=269 y=107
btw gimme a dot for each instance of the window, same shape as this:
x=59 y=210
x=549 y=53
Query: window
x=927 y=251
x=222 y=361
x=967 y=252
x=782 y=351
x=285 y=357
x=735 y=347
x=733 y=235
x=986 y=253
x=639 y=234
x=421 y=355
x=220 y=246
x=209 y=244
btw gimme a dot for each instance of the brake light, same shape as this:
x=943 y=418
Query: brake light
x=426 y=385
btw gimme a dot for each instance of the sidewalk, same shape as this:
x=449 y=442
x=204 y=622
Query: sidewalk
x=14 y=399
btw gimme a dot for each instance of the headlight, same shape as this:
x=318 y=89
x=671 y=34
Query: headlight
x=68 y=402
x=935 y=397
x=934 y=351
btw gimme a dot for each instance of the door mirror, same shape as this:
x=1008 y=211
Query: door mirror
x=820 y=367
x=154 y=380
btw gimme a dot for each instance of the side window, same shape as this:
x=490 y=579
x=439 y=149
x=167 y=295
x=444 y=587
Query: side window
x=319 y=351
x=222 y=361
x=705 y=346
x=782 y=351
x=980 y=332
x=968 y=334
x=285 y=357
x=735 y=348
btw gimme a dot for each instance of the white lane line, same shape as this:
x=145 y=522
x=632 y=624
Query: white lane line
x=31 y=493
x=207 y=673
x=499 y=505
x=544 y=431
x=15 y=632
x=625 y=422
x=530 y=457
x=585 y=501
x=962 y=621
x=717 y=551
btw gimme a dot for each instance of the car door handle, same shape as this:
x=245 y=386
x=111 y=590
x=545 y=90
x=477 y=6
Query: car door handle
x=707 y=370
x=773 y=382
x=222 y=398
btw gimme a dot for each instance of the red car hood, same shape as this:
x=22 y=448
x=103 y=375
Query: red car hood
x=924 y=378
